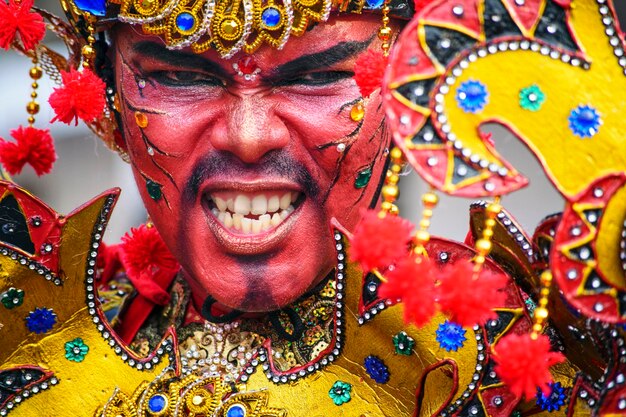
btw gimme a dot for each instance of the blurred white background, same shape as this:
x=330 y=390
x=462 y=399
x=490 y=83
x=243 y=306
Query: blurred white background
x=86 y=168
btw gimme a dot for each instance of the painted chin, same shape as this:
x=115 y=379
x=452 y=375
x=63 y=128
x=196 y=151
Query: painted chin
x=248 y=220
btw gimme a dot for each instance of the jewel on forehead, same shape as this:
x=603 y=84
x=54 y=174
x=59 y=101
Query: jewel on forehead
x=247 y=68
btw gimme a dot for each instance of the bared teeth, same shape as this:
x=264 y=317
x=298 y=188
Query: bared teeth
x=253 y=213
x=285 y=200
x=242 y=204
x=259 y=204
x=273 y=204
x=246 y=225
x=265 y=221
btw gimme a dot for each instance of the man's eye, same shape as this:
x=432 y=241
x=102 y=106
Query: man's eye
x=185 y=78
x=318 y=78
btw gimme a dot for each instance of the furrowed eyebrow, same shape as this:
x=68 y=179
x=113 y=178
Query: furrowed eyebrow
x=318 y=60
x=179 y=58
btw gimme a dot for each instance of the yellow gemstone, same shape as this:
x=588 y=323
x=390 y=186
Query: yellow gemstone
x=141 y=119
x=357 y=112
x=147 y=4
x=197 y=400
x=230 y=27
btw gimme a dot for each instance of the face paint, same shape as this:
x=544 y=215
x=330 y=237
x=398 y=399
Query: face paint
x=253 y=168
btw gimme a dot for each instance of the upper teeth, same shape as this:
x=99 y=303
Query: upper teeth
x=253 y=213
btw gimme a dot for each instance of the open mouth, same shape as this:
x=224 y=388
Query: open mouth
x=251 y=213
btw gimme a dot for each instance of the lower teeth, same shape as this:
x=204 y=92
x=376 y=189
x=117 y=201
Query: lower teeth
x=248 y=225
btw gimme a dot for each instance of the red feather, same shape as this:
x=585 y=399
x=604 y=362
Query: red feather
x=81 y=96
x=412 y=280
x=369 y=71
x=32 y=146
x=377 y=243
x=16 y=18
x=470 y=301
x=523 y=363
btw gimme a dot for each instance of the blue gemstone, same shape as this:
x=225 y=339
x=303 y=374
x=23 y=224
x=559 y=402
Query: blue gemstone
x=41 y=320
x=375 y=4
x=270 y=17
x=236 y=411
x=185 y=21
x=157 y=403
x=95 y=7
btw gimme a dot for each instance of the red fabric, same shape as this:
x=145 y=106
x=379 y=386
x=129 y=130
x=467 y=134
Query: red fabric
x=523 y=363
x=420 y=4
x=150 y=293
x=470 y=301
x=81 y=96
x=369 y=70
x=108 y=261
x=32 y=146
x=377 y=243
x=412 y=280
x=16 y=18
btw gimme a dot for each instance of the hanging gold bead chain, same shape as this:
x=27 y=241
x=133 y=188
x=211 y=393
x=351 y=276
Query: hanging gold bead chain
x=384 y=33
x=88 y=51
x=483 y=245
x=32 y=107
x=390 y=191
x=422 y=236
x=541 y=312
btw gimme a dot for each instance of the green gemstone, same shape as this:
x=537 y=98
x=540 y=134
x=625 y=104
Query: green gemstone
x=154 y=190
x=363 y=177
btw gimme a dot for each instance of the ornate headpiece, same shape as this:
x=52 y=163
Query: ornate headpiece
x=229 y=26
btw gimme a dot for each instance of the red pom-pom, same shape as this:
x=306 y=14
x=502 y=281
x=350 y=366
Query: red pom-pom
x=369 y=71
x=412 y=280
x=81 y=96
x=523 y=363
x=143 y=255
x=470 y=301
x=143 y=251
x=16 y=17
x=377 y=243
x=32 y=146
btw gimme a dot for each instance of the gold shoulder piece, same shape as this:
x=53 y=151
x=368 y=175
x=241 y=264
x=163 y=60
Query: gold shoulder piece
x=58 y=354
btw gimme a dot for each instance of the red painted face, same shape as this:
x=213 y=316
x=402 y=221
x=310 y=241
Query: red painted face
x=242 y=175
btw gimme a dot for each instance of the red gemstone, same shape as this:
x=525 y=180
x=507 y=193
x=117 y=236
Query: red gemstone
x=247 y=65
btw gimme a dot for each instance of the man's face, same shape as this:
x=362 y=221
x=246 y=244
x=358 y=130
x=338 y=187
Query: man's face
x=242 y=177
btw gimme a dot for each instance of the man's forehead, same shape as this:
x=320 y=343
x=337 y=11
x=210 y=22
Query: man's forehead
x=338 y=40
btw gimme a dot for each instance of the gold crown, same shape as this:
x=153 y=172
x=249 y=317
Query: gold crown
x=229 y=26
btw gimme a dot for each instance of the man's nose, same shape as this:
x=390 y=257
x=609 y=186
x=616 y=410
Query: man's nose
x=251 y=129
